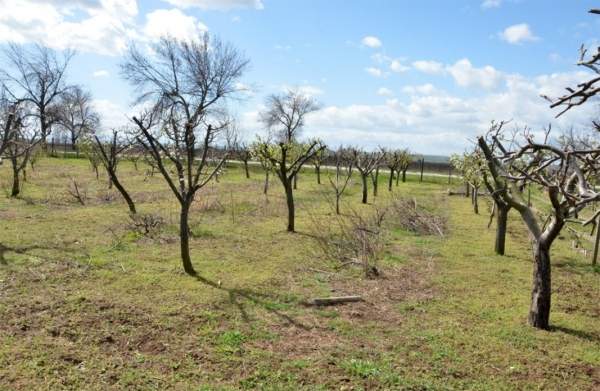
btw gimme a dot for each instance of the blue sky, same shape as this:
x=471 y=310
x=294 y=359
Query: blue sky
x=428 y=75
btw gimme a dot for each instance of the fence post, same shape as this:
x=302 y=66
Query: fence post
x=422 y=164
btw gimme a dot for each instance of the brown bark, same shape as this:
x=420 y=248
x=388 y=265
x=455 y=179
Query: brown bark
x=501 y=224
x=365 y=193
x=289 y=197
x=184 y=238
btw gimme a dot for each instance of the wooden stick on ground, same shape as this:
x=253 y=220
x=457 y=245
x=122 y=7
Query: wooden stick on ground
x=335 y=300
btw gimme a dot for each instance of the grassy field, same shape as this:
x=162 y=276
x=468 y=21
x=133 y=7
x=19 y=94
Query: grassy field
x=86 y=303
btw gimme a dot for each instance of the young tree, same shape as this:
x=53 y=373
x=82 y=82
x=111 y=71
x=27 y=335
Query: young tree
x=375 y=173
x=264 y=161
x=564 y=174
x=284 y=117
x=405 y=159
x=76 y=114
x=344 y=163
x=317 y=161
x=186 y=85
x=471 y=166
x=366 y=163
x=242 y=151
x=37 y=76
x=287 y=159
x=109 y=155
x=392 y=161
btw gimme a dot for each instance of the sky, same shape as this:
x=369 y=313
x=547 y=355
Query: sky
x=425 y=75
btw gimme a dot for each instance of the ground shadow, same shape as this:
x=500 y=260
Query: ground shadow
x=592 y=337
x=266 y=301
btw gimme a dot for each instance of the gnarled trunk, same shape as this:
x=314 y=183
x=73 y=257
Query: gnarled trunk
x=539 y=311
x=404 y=176
x=16 y=185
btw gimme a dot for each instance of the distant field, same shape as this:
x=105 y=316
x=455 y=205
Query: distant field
x=87 y=303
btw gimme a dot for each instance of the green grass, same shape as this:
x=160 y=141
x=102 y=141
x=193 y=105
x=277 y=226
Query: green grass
x=87 y=304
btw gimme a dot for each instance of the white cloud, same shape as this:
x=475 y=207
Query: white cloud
x=383 y=91
x=517 y=34
x=173 y=23
x=305 y=89
x=429 y=67
x=217 y=4
x=371 y=41
x=111 y=114
x=236 y=19
x=100 y=73
x=103 y=26
x=465 y=75
x=491 y=3
x=374 y=71
x=424 y=89
x=436 y=122
x=397 y=66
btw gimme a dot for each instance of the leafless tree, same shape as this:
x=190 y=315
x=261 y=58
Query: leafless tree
x=76 y=114
x=286 y=113
x=284 y=117
x=22 y=139
x=406 y=159
x=110 y=154
x=185 y=84
x=564 y=173
x=375 y=174
x=7 y=116
x=366 y=163
x=344 y=164
x=37 y=76
x=317 y=161
x=242 y=152
x=393 y=161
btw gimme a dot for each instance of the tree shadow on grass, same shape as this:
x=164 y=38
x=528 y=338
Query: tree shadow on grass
x=268 y=302
x=24 y=250
x=588 y=336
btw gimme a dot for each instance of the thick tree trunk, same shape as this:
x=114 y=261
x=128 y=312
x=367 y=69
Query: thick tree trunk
x=365 y=193
x=289 y=197
x=184 y=236
x=501 y=223
x=403 y=176
x=119 y=186
x=246 y=169
x=391 y=180
x=337 y=203
x=539 y=311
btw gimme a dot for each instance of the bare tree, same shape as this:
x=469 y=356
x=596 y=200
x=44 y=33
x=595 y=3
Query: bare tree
x=7 y=116
x=286 y=113
x=110 y=154
x=366 y=163
x=284 y=117
x=244 y=154
x=471 y=166
x=186 y=85
x=393 y=161
x=375 y=173
x=564 y=174
x=344 y=164
x=76 y=114
x=22 y=139
x=265 y=162
x=37 y=76
x=317 y=161
x=405 y=160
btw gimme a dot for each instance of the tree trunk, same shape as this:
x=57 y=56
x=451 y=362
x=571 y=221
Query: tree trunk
x=130 y=203
x=318 y=170
x=391 y=179
x=365 y=194
x=403 y=176
x=184 y=236
x=467 y=190
x=289 y=197
x=422 y=166
x=501 y=223
x=246 y=169
x=539 y=311
x=337 y=203
x=375 y=182
x=295 y=181
x=397 y=177
x=16 y=186
x=475 y=200
x=266 y=187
